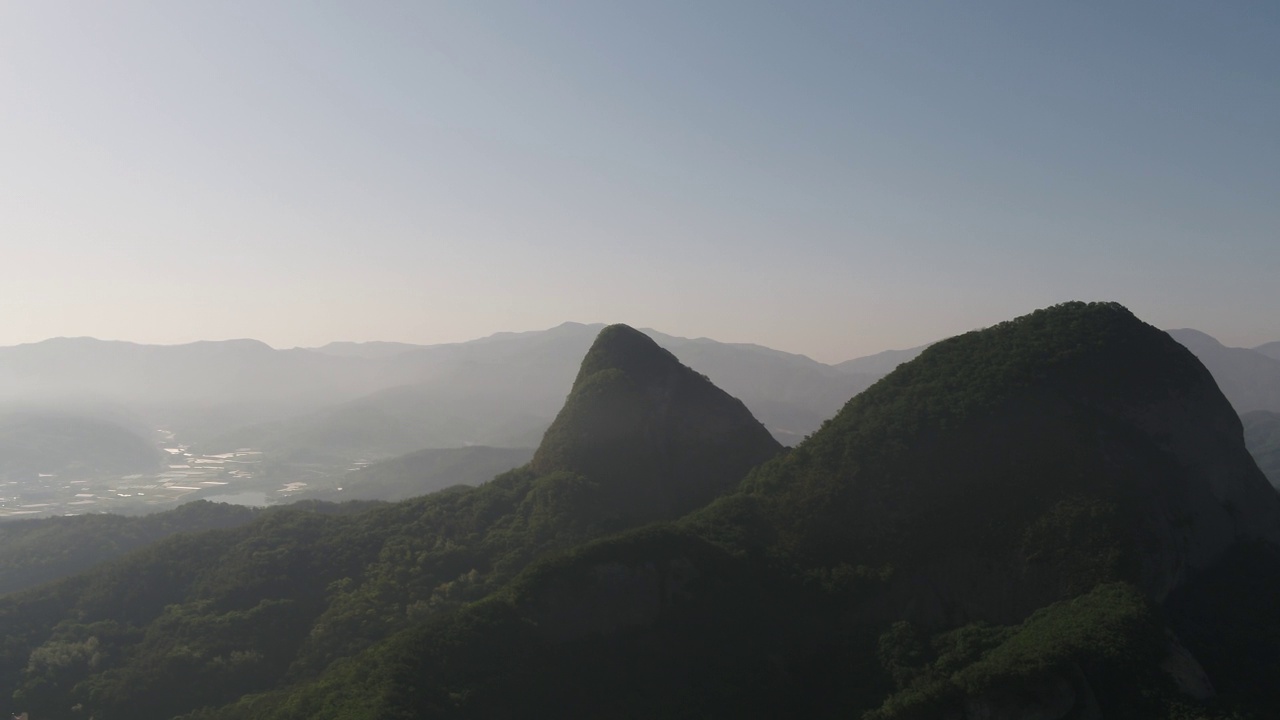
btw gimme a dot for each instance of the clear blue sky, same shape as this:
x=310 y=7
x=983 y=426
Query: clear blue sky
x=827 y=178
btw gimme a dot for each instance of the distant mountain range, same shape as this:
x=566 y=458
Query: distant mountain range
x=347 y=401
x=427 y=471
x=1055 y=517
x=1271 y=350
x=1262 y=437
x=1249 y=378
x=356 y=400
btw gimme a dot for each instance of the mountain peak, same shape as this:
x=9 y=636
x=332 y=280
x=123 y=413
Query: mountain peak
x=1036 y=446
x=626 y=349
x=660 y=438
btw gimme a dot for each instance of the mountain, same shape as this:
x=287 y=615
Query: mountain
x=1058 y=422
x=368 y=350
x=791 y=394
x=1271 y=349
x=201 y=620
x=51 y=443
x=196 y=390
x=204 y=372
x=659 y=437
x=881 y=363
x=427 y=471
x=350 y=401
x=1249 y=379
x=1262 y=436
x=499 y=391
x=1055 y=517
x=39 y=551
x=504 y=390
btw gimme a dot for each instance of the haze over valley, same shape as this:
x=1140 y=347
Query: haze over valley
x=95 y=426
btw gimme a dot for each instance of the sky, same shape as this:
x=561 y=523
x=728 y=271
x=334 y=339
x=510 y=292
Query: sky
x=833 y=179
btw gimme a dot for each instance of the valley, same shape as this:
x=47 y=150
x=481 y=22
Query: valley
x=239 y=477
x=319 y=454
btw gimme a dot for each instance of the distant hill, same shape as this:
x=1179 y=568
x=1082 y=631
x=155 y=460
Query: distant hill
x=504 y=390
x=791 y=394
x=384 y=399
x=1249 y=379
x=228 y=371
x=1271 y=349
x=349 y=401
x=427 y=471
x=881 y=363
x=1262 y=436
x=34 y=442
x=39 y=551
x=368 y=350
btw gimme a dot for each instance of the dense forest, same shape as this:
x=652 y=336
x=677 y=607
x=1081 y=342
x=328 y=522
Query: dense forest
x=1055 y=517
x=37 y=551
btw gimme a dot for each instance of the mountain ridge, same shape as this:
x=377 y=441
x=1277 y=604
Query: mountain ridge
x=1057 y=371
x=284 y=596
x=1249 y=379
x=822 y=594
x=1029 y=519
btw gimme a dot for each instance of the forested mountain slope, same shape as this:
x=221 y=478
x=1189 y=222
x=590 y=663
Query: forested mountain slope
x=1026 y=521
x=37 y=551
x=1055 y=517
x=428 y=471
x=203 y=619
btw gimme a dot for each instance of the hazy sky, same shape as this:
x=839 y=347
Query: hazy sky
x=827 y=178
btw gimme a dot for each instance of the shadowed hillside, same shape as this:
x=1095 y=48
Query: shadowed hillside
x=1079 y=419
x=1055 y=517
x=203 y=619
x=38 y=551
x=428 y=471
x=659 y=437
x=1022 y=522
x=34 y=442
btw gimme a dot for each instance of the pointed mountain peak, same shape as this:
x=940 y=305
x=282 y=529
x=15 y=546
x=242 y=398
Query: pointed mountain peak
x=623 y=348
x=658 y=437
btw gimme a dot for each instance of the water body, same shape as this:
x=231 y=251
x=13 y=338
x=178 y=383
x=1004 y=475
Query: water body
x=252 y=499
